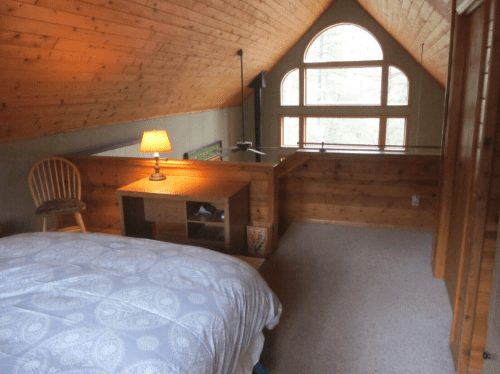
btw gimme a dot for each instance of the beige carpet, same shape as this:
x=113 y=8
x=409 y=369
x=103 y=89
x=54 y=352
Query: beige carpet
x=357 y=301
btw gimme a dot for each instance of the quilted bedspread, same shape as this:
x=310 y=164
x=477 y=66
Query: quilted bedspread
x=87 y=303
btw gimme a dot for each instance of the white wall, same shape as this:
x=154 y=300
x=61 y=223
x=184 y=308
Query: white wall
x=186 y=132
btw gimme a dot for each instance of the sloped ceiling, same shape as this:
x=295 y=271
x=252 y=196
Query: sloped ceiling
x=422 y=27
x=67 y=65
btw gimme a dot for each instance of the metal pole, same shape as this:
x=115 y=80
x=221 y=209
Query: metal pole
x=240 y=53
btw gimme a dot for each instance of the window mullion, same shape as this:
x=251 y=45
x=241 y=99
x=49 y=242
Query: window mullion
x=382 y=132
x=302 y=98
x=385 y=84
x=342 y=64
x=383 y=101
x=302 y=83
x=302 y=131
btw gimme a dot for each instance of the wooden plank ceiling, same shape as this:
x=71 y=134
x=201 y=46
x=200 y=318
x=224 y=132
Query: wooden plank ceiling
x=422 y=27
x=67 y=65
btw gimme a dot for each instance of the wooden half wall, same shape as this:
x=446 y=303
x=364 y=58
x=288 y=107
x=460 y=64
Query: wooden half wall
x=359 y=189
x=101 y=176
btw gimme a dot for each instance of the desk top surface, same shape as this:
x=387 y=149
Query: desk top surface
x=185 y=186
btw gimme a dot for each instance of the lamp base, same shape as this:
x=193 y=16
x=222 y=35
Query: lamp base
x=157 y=177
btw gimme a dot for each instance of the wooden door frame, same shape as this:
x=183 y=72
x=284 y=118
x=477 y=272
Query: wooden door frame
x=481 y=190
x=450 y=143
x=477 y=200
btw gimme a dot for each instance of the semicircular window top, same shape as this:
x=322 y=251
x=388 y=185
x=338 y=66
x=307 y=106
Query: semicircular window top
x=344 y=42
x=344 y=94
x=398 y=88
x=290 y=88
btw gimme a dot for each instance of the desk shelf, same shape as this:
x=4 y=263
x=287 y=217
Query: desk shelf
x=193 y=215
x=207 y=222
x=167 y=210
x=202 y=232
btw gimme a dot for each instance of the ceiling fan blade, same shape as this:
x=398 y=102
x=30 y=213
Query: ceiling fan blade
x=221 y=150
x=256 y=151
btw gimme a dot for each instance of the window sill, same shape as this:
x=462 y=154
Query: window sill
x=424 y=151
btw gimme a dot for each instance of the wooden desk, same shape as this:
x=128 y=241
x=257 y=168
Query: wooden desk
x=166 y=210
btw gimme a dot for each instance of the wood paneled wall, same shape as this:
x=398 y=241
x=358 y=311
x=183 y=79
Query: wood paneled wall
x=486 y=257
x=360 y=189
x=466 y=233
x=464 y=164
x=101 y=176
x=480 y=327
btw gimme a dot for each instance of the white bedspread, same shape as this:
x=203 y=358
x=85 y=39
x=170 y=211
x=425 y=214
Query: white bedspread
x=84 y=303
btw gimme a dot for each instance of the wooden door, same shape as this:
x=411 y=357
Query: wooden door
x=492 y=365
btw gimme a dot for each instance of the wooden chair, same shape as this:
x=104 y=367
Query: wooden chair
x=56 y=188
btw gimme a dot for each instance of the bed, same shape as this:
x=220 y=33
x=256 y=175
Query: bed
x=89 y=303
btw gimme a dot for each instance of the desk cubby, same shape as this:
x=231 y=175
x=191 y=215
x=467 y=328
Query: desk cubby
x=169 y=210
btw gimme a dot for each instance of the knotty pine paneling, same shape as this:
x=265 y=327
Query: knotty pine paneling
x=416 y=22
x=465 y=162
x=67 y=65
x=477 y=145
x=361 y=189
x=101 y=176
x=177 y=56
x=487 y=263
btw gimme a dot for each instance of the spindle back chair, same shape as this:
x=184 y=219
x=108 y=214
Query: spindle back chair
x=55 y=185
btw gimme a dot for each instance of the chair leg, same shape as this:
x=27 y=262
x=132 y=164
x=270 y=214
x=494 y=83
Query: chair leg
x=44 y=223
x=79 y=219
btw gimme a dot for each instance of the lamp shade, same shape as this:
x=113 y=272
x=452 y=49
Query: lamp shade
x=155 y=141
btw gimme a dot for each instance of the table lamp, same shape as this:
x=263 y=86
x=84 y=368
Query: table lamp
x=156 y=142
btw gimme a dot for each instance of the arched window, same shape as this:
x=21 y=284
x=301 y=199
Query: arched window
x=290 y=88
x=348 y=95
x=344 y=42
x=398 y=87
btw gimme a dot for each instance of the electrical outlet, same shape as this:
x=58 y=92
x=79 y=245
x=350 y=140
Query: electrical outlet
x=415 y=200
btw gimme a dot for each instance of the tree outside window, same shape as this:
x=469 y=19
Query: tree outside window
x=344 y=69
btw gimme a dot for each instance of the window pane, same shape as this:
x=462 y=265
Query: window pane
x=344 y=43
x=344 y=86
x=290 y=88
x=342 y=131
x=395 y=132
x=398 y=87
x=290 y=131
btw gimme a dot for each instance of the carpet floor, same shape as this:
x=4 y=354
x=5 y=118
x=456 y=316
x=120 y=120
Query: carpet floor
x=357 y=301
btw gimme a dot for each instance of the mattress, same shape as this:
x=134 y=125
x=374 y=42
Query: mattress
x=88 y=303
